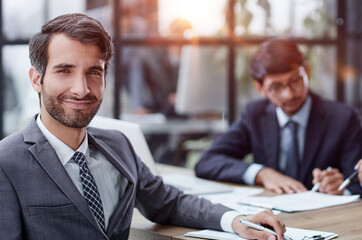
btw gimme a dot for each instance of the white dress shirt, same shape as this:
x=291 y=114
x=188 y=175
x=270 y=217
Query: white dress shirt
x=111 y=185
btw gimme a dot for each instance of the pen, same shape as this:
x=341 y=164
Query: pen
x=348 y=180
x=318 y=237
x=262 y=205
x=316 y=186
x=261 y=228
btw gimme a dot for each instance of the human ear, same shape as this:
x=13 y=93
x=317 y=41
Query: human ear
x=259 y=88
x=307 y=69
x=35 y=78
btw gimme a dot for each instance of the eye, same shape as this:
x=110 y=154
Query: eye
x=276 y=88
x=95 y=73
x=63 y=70
x=296 y=79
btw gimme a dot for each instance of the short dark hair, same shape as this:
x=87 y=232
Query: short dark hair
x=76 y=26
x=275 y=56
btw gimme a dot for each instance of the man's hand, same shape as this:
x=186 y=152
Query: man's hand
x=265 y=218
x=329 y=180
x=278 y=182
x=359 y=167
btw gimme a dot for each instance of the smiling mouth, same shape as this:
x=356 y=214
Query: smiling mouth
x=78 y=105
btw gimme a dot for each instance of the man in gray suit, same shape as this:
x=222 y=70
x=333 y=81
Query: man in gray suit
x=60 y=179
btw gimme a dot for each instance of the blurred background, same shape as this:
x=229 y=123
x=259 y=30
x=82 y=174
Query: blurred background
x=181 y=67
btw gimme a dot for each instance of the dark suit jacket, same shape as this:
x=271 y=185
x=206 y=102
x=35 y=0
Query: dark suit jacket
x=38 y=200
x=333 y=138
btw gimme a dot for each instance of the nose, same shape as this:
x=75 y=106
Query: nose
x=80 y=86
x=287 y=92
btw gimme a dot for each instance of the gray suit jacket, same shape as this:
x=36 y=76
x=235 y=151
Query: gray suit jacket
x=38 y=200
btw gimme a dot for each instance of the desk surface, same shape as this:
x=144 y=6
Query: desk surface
x=345 y=220
x=185 y=126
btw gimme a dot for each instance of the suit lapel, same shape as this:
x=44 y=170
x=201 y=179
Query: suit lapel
x=314 y=134
x=112 y=156
x=49 y=161
x=270 y=128
x=116 y=160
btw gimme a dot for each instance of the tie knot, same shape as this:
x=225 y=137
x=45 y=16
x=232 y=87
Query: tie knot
x=292 y=125
x=79 y=158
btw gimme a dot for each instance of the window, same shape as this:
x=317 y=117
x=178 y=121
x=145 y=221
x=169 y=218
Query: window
x=163 y=44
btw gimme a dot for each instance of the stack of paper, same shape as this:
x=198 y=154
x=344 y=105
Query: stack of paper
x=294 y=233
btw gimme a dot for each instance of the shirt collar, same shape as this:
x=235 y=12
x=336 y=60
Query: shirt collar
x=64 y=152
x=301 y=117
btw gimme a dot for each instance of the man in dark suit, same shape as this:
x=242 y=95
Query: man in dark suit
x=293 y=134
x=62 y=180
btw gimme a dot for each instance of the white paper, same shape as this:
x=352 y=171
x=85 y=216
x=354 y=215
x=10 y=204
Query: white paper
x=294 y=233
x=231 y=199
x=300 y=201
x=194 y=185
x=211 y=234
x=236 y=193
x=299 y=234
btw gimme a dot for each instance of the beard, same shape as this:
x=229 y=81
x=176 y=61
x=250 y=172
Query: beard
x=77 y=118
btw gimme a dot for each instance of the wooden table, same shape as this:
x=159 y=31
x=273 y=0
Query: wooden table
x=345 y=220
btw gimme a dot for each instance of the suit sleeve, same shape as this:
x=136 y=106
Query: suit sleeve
x=165 y=204
x=10 y=214
x=351 y=150
x=223 y=161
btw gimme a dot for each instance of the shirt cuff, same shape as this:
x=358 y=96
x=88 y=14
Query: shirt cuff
x=227 y=220
x=249 y=175
x=347 y=192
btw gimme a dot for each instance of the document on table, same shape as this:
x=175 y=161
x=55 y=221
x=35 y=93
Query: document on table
x=299 y=201
x=294 y=233
x=216 y=192
x=231 y=199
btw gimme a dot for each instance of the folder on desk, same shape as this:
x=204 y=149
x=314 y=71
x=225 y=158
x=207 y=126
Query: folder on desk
x=295 y=202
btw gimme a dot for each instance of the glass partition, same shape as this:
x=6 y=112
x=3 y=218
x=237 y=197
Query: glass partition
x=178 y=58
x=17 y=14
x=21 y=101
x=296 y=18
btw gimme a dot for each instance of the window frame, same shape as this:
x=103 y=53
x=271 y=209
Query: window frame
x=231 y=41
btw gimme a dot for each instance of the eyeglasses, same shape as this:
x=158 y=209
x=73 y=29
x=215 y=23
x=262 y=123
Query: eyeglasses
x=296 y=85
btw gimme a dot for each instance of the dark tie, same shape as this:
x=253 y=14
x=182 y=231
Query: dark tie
x=293 y=153
x=90 y=189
